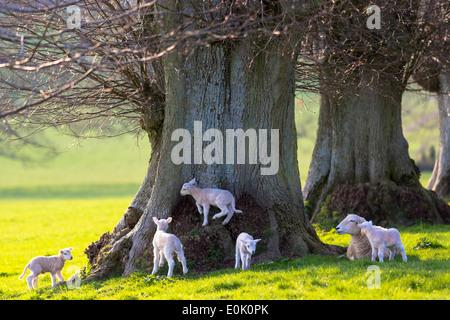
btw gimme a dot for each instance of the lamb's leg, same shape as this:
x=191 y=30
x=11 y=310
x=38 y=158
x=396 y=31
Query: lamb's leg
x=244 y=260
x=392 y=253
x=182 y=259
x=35 y=282
x=199 y=207
x=59 y=275
x=155 y=260
x=380 y=254
x=248 y=261
x=168 y=255
x=229 y=215
x=238 y=258
x=205 y=214
x=53 y=276
x=401 y=248
x=374 y=254
x=221 y=213
x=30 y=280
x=161 y=259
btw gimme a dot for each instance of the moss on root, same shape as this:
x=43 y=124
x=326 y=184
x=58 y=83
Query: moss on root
x=385 y=203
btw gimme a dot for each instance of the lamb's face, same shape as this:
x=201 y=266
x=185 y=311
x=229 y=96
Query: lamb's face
x=250 y=245
x=350 y=225
x=66 y=254
x=364 y=226
x=185 y=189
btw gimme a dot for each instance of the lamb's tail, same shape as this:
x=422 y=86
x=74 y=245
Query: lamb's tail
x=24 y=271
x=234 y=208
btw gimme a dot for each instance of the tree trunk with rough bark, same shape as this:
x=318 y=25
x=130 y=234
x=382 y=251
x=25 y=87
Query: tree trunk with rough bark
x=223 y=86
x=361 y=164
x=440 y=178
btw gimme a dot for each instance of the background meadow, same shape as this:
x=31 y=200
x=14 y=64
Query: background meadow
x=71 y=192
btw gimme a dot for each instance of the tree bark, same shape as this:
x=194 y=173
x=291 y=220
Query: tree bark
x=440 y=178
x=361 y=164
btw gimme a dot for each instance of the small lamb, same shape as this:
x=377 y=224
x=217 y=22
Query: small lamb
x=381 y=238
x=204 y=198
x=245 y=247
x=42 y=264
x=165 y=244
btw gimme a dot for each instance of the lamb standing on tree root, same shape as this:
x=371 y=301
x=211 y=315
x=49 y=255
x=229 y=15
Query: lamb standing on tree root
x=42 y=264
x=164 y=244
x=245 y=248
x=204 y=198
x=381 y=239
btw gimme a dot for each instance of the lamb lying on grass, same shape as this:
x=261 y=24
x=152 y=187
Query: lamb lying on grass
x=165 y=244
x=51 y=264
x=245 y=247
x=381 y=238
x=359 y=246
x=207 y=197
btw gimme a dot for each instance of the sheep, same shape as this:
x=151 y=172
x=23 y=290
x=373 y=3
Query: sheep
x=245 y=247
x=165 y=244
x=206 y=197
x=43 y=264
x=381 y=238
x=359 y=246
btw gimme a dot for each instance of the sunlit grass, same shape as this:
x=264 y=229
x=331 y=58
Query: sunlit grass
x=40 y=227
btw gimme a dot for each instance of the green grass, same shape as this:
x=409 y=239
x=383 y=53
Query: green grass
x=41 y=227
x=111 y=167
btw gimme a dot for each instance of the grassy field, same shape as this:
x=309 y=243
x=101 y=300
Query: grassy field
x=424 y=276
x=51 y=200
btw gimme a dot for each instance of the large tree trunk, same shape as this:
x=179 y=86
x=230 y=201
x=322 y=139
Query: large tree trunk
x=361 y=164
x=224 y=86
x=440 y=178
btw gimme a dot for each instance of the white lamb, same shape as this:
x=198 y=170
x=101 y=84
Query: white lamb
x=42 y=264
x=204 y=198
x=165 y=244
x=381 y=239
x=245 y=247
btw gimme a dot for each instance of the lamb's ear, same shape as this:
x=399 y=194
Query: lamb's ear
x=61 y=251
x=169 y=220
x=257 y=240
x=243 y=241
x=192 y=181
x=370 y=223
x=155 y=219
x=70 y=248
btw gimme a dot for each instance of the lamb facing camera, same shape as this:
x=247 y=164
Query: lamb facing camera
x=204 y=198
x=245 y=248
